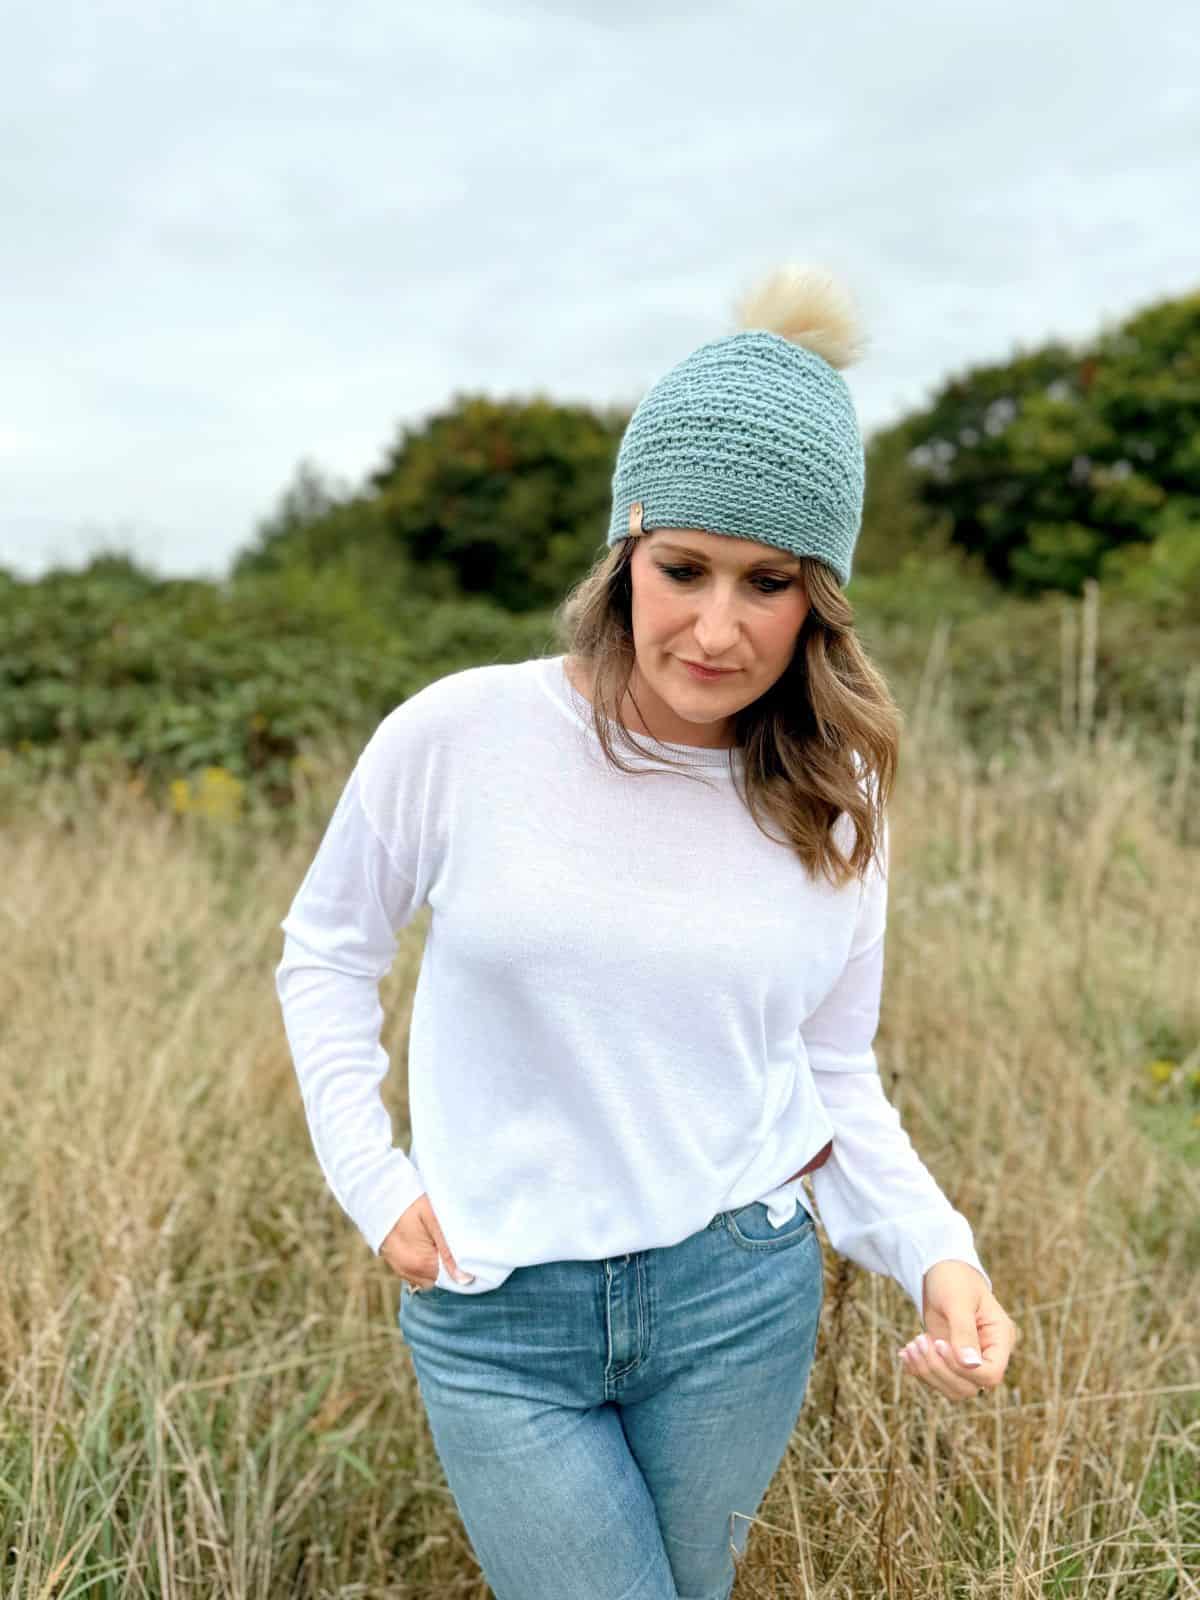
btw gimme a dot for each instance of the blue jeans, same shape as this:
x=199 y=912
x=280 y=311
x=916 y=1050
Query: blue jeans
x=607 y=1427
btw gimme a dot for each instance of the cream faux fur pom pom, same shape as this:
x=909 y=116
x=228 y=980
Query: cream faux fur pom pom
x=809 y=307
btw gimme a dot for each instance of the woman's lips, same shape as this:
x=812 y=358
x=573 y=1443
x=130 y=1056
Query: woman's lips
x=705 y=674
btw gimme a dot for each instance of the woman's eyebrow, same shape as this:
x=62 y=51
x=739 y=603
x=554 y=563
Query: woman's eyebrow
x=781 y=560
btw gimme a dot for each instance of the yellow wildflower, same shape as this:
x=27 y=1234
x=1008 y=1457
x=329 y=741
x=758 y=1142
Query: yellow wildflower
x=220 y=795
x=217 y=795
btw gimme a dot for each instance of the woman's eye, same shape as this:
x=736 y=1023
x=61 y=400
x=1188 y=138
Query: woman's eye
x=686 y=574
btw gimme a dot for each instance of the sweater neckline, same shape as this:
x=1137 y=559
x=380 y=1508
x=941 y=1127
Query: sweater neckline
x=575 y=706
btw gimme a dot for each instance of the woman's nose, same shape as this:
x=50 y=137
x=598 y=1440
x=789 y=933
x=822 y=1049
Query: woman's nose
x=716 y=624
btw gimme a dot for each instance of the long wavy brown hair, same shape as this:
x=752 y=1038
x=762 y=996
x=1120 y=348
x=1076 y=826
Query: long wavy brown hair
x=822 y=743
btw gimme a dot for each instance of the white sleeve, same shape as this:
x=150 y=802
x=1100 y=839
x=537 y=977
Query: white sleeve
x=339 y=942
x=877 y=1201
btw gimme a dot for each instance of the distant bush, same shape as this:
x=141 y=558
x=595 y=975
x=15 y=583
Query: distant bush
x=1163 y=575
x=214 y=692
x=174 y=676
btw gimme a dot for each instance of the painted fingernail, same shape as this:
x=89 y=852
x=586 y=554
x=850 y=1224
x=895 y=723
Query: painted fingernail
x=923 y=1344
x=970 y=1357
x=941 y=1347
x=464 y=1277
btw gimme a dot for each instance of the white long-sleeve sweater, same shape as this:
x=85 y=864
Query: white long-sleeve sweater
x=633 y=1010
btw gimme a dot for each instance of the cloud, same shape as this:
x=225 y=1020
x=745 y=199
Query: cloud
x=243 y=235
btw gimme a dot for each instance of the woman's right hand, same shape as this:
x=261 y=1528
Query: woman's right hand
x=414 y=1245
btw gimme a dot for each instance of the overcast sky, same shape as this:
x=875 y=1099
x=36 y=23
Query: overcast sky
x=240 y=235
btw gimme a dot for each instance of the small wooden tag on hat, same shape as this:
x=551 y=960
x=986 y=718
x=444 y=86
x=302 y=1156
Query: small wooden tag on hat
x=635 y=517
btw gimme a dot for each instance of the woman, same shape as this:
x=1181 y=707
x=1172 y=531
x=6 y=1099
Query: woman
x=647 y=1000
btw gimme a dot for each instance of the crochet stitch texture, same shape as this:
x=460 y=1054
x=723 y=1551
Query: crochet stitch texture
x=752 y=436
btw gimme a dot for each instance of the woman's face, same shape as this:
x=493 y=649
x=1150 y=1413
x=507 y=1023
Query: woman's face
x=718 y=601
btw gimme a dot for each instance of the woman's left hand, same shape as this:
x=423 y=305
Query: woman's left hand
x=963 y=1318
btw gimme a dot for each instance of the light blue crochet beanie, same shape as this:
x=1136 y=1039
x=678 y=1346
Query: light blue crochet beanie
x=755 y=434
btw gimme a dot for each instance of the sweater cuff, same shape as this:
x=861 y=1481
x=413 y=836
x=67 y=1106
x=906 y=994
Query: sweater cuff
x=949 y=1239
x=392 y=1191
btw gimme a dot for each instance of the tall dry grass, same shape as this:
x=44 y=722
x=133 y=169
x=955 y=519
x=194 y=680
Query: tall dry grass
x=204 y=1388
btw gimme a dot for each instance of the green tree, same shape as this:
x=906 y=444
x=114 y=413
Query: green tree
x=511 y=497
x=502 y=500
x=1046 y=465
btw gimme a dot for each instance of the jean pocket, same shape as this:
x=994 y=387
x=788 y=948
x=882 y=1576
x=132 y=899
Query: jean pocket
x=751 y=1227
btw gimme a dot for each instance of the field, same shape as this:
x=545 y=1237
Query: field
x=204 y=1390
